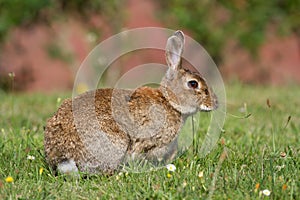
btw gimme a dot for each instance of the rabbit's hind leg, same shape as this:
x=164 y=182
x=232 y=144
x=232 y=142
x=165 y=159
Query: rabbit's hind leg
x=165 y=154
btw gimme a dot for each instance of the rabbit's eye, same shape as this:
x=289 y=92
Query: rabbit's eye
x=193 y=84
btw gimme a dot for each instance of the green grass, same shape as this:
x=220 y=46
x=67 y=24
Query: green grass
x=248 y=153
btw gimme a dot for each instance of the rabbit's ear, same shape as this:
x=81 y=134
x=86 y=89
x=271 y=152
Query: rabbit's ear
x=174 y=49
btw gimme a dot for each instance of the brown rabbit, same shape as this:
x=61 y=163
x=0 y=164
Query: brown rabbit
x=96 y=131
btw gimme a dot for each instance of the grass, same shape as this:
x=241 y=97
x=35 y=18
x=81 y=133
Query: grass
x=249 y=157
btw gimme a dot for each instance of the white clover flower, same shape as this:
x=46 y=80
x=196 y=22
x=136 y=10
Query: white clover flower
x=171 y=167
x=266 y=192
x=280 y=167
x=200 y=175
x=184 y=184
x=30 y=157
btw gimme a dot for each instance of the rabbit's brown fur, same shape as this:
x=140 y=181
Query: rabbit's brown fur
x=97 y=130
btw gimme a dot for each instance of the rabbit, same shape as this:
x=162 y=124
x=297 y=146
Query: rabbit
x=95 y=131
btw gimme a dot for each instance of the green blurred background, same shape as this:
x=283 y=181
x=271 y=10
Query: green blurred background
x=42 y=43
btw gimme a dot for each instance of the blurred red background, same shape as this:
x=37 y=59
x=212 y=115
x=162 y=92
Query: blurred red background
x=46 y=57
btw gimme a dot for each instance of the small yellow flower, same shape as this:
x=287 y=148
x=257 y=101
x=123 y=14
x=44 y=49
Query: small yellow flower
x=257 y=185
x=284 y=187
x=9 y=179
x=169 y=175
x=58 y=100
x=184 y=184
x=41 y=171
x=91 y=37
x=266 y=192
x=81 y=88
x=171 y=167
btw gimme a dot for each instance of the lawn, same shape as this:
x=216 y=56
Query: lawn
x=257 y=153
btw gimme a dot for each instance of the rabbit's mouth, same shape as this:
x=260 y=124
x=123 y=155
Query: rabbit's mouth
x=205 y=108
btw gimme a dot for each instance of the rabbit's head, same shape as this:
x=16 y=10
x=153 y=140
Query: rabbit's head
x=186 y=91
